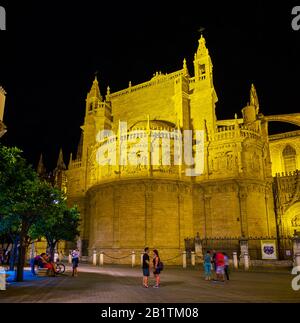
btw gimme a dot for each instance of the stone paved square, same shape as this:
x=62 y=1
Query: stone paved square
x=123 y=284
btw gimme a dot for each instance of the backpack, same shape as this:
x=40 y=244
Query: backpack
x=160 y=266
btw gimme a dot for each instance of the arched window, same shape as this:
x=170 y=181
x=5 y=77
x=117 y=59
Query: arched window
x=289 y=159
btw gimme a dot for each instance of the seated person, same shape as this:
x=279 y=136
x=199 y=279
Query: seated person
x=33 y=263
x=46 y=263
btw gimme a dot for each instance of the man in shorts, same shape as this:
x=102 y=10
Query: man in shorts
x=146 y=268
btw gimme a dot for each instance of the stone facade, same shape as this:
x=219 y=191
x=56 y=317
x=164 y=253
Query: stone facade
x=126 y=207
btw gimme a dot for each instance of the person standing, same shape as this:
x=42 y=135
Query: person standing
x=220 y=266
x=75 y=262
x=226 y=265
x=207 y=265
x=146 y=268
x=156 y=268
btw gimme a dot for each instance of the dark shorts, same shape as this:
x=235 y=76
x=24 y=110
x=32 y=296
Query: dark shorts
x=146 y=272
x=75 y=262
x=156 y=271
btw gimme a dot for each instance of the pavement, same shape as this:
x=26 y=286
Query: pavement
x=123 y=284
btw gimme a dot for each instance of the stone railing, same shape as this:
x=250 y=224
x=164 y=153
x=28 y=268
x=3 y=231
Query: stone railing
x=154 y=81
x=285 y=135
x=192 y=80
x=288 y=174
x=75 y=164
x=101 y=105
x=231 y=132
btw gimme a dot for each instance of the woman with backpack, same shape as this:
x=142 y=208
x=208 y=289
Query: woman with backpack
x=156 y=268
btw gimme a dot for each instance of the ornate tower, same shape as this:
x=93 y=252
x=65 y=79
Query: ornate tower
x=98 y=117
x=204 y=97
x=41 y=169
x=181 y=99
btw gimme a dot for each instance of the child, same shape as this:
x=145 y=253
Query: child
x=207 y=265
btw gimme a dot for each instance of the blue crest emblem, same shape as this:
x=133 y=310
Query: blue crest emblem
x=269 y=250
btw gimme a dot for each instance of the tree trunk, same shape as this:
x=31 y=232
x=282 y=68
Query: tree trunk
x=52 y=246
x=21 y=261
x=22 y=253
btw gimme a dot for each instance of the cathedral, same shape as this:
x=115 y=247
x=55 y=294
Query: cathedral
x=248 y=185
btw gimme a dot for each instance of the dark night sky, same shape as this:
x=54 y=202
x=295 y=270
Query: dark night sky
x=49 y=54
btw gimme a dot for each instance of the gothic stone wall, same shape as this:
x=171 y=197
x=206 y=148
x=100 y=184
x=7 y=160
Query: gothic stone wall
x=155 y=100
x=234 y=208
x=132 y=214
x=128 y=215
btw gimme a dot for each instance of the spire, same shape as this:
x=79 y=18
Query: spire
x=60 y=162
x=41 y=169
x=203 y=66
x=254 y=98
x=70 y=161
x=95 y=91
x=185 y=69
x=202 y=49
x=80 y=147
x=107 y=97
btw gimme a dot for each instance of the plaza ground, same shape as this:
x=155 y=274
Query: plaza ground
x=123 y=284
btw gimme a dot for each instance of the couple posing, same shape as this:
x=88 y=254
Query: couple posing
x=147 y=265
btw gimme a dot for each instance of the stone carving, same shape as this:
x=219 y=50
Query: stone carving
x=295 y=221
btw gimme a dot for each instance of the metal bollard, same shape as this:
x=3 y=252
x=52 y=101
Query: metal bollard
x=101 y=258
x=193 y=258
x=2 y=279
x=133 y=259
x=94 y=257
x=246 y=261
x=235 y=260
x=184 y=259
x=55 y=256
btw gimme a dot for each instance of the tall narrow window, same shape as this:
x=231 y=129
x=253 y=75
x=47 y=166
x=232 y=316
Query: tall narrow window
x=289 y=159
x=202 y=71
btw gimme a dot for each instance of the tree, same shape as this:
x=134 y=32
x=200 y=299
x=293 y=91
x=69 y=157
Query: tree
x=30 y=206
x=57 y=223
x=23 y=196
x=17 y=187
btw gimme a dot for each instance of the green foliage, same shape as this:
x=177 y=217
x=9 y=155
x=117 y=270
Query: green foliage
x=31 y=207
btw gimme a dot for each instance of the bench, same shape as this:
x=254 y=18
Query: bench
x=42 y=272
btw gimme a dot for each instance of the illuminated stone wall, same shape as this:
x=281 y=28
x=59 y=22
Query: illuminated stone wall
x=126 y=208
x=277 y=145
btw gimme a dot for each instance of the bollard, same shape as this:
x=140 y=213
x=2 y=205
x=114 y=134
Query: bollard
x=95 y=257
x=101 y=258
x=184 y=259
x=133 y=259
x=142 y=255
x=2 y=279
x=246 y=261
x=70 y=258
x=193 y=258
x=235 y=260
x=297 y=259
x=55 y=256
